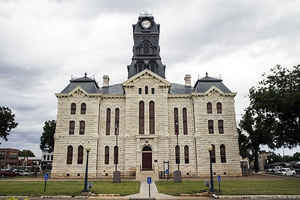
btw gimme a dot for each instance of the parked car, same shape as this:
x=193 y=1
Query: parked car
x=7 y=173
x=277 y=169
x=291 y=172
x=270 y=170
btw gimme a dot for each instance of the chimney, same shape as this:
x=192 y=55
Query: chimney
x=187 y=80
x=105 y=81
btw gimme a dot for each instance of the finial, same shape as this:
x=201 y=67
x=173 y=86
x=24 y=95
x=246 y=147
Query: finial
x=206 y=74
x=85 y=75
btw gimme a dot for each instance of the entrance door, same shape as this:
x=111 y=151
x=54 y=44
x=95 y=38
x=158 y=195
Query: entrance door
x=147 y=158
x=147 y=161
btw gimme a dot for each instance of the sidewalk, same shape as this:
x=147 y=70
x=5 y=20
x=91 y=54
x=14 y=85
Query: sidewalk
x=144 y=192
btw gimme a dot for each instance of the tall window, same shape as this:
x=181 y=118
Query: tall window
x=176 y=126
x=116 y=154
x=185 y=127
x=117 y=118
x=141 y=117
x=186 y=154
x=177 y=154
x=221 y=126
x=152 y=117
x=71 y=127
x=146 y=89
x=209 y=108
x=210 y=126
x=73 y=109
x=219 y=108
x=81 y=127
x=140 y=90
x=80 y=155
x=223 y=153
x=69 y=155
x=106 y=152
x=213 y=154
x=152 y=90
x=83 y=109
x=108 y=121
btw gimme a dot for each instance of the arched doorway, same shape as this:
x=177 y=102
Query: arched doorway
x=147 y=158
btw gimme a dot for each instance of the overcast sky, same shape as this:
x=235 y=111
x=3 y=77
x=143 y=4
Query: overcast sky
x=44 y=43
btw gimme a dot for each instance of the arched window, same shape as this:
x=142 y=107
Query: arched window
x=117 y=118
x=221 y=126
x=219 y=108
x=106 y=152
x=176 y=125
x=223 y=153
x=81 y=127
x=116 y=154
x=108 y=121
x=140 y=90
x=213 y=154
x=71 y=127
x=80 y=155
x=186 y=154
x=146 y=47
x=152 y=90
x=73 y=109
x=69 y=155
x=146 y=89
x=210 y=126
x=141 y=117
x=209 y=108
x=184 y=116
x=177 y=154
x=152 y=117
x=83 y=109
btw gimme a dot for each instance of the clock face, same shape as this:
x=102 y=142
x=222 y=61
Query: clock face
x=146 y=24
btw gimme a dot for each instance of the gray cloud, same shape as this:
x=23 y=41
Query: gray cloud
x=43 y=43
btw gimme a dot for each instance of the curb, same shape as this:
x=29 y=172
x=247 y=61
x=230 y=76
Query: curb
x=257 y=197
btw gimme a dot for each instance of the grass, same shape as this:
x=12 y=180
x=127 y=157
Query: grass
x=235 y=187
x=72 y=188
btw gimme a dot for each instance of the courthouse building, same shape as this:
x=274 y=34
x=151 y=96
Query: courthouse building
x=139 y=125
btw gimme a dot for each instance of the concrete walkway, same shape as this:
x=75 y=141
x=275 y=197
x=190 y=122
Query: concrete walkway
x=144 y=192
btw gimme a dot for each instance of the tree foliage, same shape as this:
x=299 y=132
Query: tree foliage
x=26 y=153
x=277 y=100
x=47 y=138
x=7 y=122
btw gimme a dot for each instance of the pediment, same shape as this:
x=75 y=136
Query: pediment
x=146 y=74
x=214 y=91
x=78 y=92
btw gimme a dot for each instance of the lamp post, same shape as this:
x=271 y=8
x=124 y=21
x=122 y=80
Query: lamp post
x=211 y=189
x=116 y=173
x=176 y=124
x=85 y=189
x=177 y=173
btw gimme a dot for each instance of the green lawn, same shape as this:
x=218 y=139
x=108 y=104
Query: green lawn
x=66 y=188
x=235 y=187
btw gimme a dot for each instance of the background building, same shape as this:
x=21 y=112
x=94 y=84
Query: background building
x=9 y=158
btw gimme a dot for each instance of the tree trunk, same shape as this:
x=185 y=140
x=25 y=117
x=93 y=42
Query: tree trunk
x=256 y=166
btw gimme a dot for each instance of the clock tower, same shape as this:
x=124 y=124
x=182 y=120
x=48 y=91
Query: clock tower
x=146 y=47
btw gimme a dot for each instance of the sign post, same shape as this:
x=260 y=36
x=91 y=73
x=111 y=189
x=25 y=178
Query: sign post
x=45 y=179
x=219 y=181
x=149 y=180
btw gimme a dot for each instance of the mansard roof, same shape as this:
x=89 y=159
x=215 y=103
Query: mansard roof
x=87 y=84
x=204 y=84
x=180 y=89
x=113 y=89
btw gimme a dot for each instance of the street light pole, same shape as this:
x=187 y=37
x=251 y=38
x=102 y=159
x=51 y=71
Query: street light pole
x=85 y=189
x=211 y=189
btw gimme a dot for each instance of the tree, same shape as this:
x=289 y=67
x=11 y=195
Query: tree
x=47 y=138
x=277 y=99
x=256 y=136
x=26 y=153
x=7 y=122
x=296 y=156
x=244 y=145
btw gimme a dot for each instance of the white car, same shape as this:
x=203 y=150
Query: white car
x=287 y=172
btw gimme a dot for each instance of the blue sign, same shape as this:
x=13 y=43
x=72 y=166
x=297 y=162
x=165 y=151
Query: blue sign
x=46 y=177
x=219 y=178
x=149 y=180
x=167 y=171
